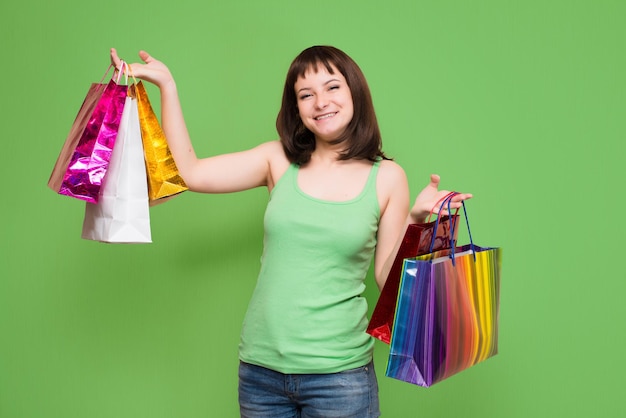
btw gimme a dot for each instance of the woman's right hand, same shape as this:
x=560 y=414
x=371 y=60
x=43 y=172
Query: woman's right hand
x=152 y=70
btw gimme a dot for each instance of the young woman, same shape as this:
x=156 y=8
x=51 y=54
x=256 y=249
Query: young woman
x=335 y=202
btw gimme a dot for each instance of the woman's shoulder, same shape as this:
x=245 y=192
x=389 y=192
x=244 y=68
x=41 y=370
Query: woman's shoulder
x=391 y=171
x=271 y=147
x=274 y=151
x=391 y=178
x=277 y=160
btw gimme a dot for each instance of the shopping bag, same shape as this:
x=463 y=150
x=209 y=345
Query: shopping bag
x=417 y=240
x=163 y=177
x=95 y=93
x=121 y=214
x=447 y=314
x=85 y=155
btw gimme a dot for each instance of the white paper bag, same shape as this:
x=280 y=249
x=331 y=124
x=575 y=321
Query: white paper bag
x=122 y=214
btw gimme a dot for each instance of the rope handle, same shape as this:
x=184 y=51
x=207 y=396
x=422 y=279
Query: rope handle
x=469 y=232
x=432 y=210
x=116 y=72
x=442 y=202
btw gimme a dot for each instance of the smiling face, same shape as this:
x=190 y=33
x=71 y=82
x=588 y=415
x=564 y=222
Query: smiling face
x=314 y=112
x=324 y=102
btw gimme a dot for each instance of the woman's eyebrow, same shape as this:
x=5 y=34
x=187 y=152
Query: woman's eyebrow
x=332 y=80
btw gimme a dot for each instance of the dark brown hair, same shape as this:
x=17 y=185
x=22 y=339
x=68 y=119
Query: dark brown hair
x=362 y=136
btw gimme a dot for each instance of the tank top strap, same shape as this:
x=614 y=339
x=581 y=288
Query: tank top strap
x=288 y=177
x=371 y=180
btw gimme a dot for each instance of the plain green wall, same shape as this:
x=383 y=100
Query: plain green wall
x=519 y=102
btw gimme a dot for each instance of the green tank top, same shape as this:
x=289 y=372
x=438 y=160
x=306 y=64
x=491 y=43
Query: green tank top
x=306 y=314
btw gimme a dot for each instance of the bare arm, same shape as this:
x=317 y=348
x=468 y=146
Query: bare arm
x=395 y=216
x=219 y=174
x=393 y=187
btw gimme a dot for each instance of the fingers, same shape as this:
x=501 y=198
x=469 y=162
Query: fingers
x=138 y=69
x=461 y=196
x=456 y=199
x=443 y=206
x=115 y=59
x=434 y=180
x=145 y=57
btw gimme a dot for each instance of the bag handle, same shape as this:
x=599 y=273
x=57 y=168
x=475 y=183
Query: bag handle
x=432 y=210
x=132 y=92
x=126 y=70
x=123 y=70
x=117 y=72
x=446 y=199
x=452 y=248
x=107 y=72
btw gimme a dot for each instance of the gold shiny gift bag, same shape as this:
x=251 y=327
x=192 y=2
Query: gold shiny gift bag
x=163 y=177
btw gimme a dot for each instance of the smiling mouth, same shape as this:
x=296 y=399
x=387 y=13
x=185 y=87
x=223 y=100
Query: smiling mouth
x=326 y=116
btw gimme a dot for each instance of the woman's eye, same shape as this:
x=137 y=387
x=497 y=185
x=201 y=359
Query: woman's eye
x=304 y=96
x=333 y=88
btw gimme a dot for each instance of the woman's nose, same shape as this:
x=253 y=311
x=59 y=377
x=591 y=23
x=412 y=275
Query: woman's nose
x=321 y=101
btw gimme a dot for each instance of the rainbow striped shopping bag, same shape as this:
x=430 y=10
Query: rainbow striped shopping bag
x=447 y=313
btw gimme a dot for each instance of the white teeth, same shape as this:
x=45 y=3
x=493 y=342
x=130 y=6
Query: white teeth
x=325 y=116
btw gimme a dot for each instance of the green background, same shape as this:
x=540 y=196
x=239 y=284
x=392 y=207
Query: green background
x=518 y=102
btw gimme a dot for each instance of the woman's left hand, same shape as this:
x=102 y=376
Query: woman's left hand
x=428 y=198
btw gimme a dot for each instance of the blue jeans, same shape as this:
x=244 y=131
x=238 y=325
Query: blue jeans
x=269 y=394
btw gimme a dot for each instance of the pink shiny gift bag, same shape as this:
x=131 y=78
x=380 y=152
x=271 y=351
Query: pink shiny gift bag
x=84 y=158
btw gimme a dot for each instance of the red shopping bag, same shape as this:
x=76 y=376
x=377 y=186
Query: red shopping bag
x=417 y=240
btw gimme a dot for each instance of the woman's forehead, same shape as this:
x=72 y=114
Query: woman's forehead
x=319 y=69
x=316 y=67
